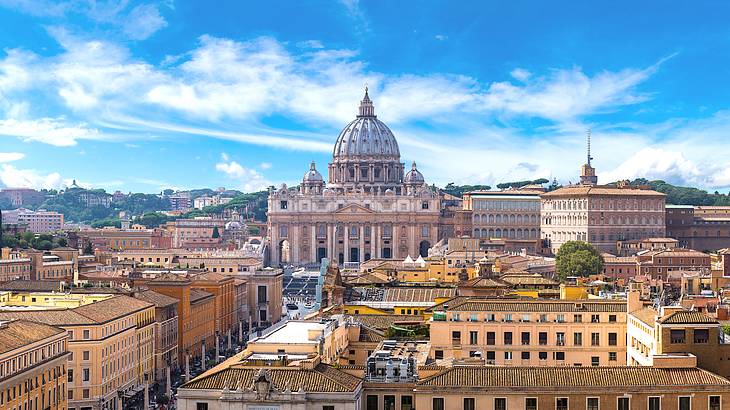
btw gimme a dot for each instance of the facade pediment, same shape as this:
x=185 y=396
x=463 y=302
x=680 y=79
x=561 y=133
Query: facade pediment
x=354 y=209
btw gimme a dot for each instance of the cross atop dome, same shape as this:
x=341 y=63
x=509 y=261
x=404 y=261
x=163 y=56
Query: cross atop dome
x=367 y=109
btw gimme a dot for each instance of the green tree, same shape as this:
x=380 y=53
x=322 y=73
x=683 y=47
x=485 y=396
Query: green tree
x=88 y=249
x=577 y=258
x=216 y=234
x=44 y=245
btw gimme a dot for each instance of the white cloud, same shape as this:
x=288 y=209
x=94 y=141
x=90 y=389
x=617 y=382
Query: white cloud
x=143 y=21
x=520 y=74
x=265 y=165
x=29 y=178
x=248 y=179
x=441 y=37
x=11 y=156
x=656 y=163
x=53 y=131
x=310 y=44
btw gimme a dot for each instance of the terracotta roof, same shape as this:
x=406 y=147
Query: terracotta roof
x=197 y=294
x=51 y=317
x=112 y=308
x=383 y=322
x=646 y=315
x=417 y=294
x=687 y=317
x=529 y=279
x=370 y=335
x=483 y=282
x=19 y=333
x=210 y=277
x=481 y=304
x=323 y=378
x=30 y=286
x=600 y=190
x=570 y=376
x=156 y=298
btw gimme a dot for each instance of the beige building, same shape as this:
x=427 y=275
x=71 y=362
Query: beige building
x=166 y=328
x=33 y=360
x=40 y=221
x=327 y=338
x=529 y=332
x=368 y=209
x=111 y=343
x=600 y=214
x=512 y=214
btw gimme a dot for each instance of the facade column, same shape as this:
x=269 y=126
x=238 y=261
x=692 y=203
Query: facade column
x=274 y=252
x=412 y=242
x=395 y=240
x=361 y=252
x=371 y=173
x=331 y=243
x=314 y=244
x=373 y=238
x=347 y=243
x=294 y=243
x=357 y=172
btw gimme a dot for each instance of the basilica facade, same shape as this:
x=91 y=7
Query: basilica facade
x=368 y=208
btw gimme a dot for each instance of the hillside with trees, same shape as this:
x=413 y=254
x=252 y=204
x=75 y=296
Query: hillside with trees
x=679 y=195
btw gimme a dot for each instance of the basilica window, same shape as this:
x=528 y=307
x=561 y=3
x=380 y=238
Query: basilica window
x=387 y=231
x=376 y=171
x=354 y=232
x=424 y=231
x=364 y=172
x=424 y=205
x=352 y=172
x=283 y=231
x=284 y=204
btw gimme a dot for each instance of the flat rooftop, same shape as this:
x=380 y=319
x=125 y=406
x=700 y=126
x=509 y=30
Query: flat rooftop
x=293 y=332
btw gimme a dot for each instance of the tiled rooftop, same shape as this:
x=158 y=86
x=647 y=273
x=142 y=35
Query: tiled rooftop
x=600 y=190
x=19 y=333
x=322 y=378
x=479 y=304
x=687 y=317
x=569 y=377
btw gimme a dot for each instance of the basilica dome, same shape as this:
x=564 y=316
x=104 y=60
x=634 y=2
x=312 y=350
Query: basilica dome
x=313 y=175
x=366 y=137
x=414 y=176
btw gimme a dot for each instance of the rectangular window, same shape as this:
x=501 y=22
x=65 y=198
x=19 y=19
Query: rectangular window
x=473 y=337
x=685 y=403
x=592 y=403
x=595 y=318
x=559 y=356
x=623 y=403
x=595 y=361
x=262 y=294
x=612 y=318
x=406 y=402
x=577 y=318
x=577 y=339
x=372 y=402
x=201 y=406
x=438 y=403
x=542 y=355
x=508 y=338
x=500 y=403
x=542 y=338
x=85 y=355
x=560 y=339
x=612 y=339
x=438 y=354
x=561 y=403
x=469 y=403
x=612 y=356
x=328 y=407
x=702 y=335
x=87 y=335
x=456 y=337
x=507 y=355
x=525 y=338
x=388 y=402
x=530 y=403
x=525 y=355
x=714 y=402
x=284 y=204
x=491 y=336
x=86 y=373
x=595 y=339
x=654 y=403
x=676 y=335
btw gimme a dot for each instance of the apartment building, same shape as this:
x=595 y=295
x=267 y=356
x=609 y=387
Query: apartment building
x=15 y=268
x=660 y=263
x=195 y=309
x=223 y=290
x=673 y=333
x=114 y=239
x=33 y=360
x=111 y=343
x=265 y=291
x=699 y=227
x=40 y=221
x=301 y=339
x=529 y=332
x=196 y=233
x=22 y=196
x=166 y=328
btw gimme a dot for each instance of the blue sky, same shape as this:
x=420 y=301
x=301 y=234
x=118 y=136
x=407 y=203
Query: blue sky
x=143 y=96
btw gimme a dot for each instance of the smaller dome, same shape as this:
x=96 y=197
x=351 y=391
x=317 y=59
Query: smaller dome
x=233 y=225
x=414 y=176
x=313 y=175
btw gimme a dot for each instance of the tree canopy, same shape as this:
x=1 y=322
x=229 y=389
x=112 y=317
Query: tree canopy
x=520 y=184
x=458 y=190
x=578 y=258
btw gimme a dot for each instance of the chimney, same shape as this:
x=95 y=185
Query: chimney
x=633 y=301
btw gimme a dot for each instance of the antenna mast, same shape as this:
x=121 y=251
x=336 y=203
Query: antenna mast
x=588 y=145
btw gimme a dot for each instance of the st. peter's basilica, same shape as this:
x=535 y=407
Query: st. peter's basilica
x=369 y=207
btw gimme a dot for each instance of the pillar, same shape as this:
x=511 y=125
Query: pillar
x=168 y=383
x=230 y=341
x=217 y=348
x=347 y=243
x=394 y=242
x=187 y=367
x=361 y=252
x=377 y=232
x=331 y=242
x=202 y=357
x=314 y=244
x=240 y=332
x=146 y=396
x=373 y=253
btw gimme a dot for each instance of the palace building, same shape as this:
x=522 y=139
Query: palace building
x=369 y=207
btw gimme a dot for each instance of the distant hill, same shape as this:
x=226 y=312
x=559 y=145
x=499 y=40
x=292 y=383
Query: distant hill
x=680 y=195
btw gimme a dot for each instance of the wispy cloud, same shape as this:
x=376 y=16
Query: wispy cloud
x=11 y=156
x=246 y=179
